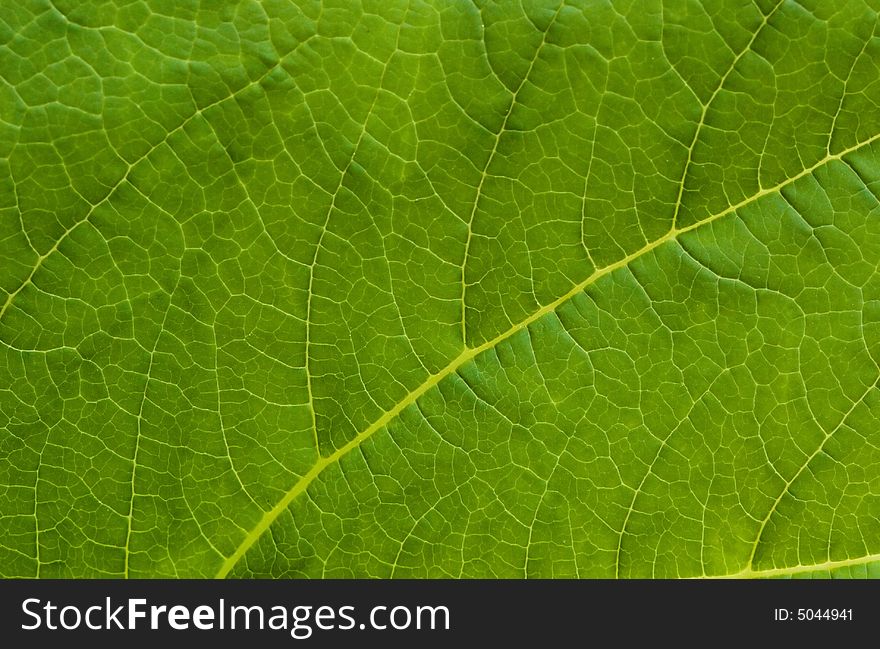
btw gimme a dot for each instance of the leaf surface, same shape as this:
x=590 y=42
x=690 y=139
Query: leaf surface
x=430 y=289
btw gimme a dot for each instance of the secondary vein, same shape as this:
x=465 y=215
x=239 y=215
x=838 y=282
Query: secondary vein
x=471 y=352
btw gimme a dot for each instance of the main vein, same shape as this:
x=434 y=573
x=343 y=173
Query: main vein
x=471 y=352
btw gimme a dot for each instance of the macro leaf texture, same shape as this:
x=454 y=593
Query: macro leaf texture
x=434 y=288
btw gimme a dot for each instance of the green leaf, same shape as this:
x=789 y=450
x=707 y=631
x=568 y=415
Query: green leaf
x=432 y=288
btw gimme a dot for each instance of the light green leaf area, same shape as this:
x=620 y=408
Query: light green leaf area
x=433 y=288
